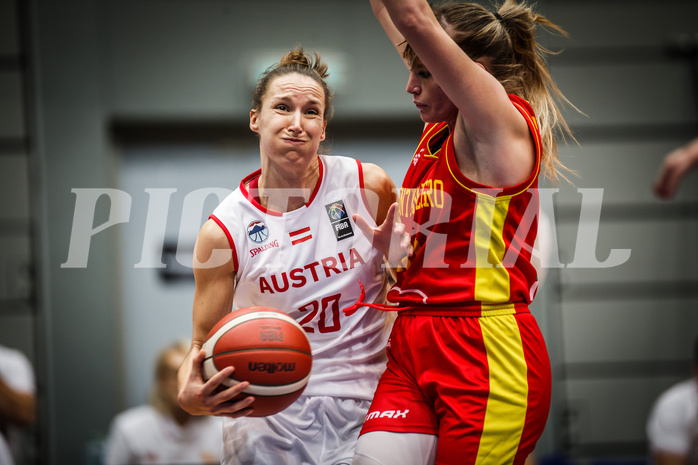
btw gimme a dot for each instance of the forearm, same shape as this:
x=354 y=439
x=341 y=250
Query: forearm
x=692 y=152
x=16 y=407
x=381 y=14
x=666 y=458
x=407 y=15
x=185 y=368
x=378 y=7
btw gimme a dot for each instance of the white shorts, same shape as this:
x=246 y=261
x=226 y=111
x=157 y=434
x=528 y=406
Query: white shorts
x=312 y=431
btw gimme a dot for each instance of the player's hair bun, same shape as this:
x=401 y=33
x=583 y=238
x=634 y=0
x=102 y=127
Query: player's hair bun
x=298 y=57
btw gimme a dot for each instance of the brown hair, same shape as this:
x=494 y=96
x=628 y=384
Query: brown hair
x=506 y=42
x=296 y=61
x=158 y=396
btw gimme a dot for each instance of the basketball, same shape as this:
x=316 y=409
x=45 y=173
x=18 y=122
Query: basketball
x=268 y=349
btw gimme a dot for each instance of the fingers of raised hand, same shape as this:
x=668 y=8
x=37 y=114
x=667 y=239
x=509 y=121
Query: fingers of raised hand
x=366 y=229
x=390 y=216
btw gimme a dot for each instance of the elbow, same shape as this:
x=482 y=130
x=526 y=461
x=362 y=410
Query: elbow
x=409 y=16
x=409 y=22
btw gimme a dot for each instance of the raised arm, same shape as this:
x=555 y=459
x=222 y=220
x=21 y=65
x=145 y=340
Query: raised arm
x=496 y=149
x=214 y=272
x=383 y=18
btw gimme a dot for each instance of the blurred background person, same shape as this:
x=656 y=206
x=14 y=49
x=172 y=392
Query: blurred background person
x=672 y=427
x=675 y=166
x=17 y=403
x=163 y=432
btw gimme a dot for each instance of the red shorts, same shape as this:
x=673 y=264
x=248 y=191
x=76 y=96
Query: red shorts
x=482 y=384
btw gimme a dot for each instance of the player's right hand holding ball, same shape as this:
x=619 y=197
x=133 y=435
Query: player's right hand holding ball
x=211 y=397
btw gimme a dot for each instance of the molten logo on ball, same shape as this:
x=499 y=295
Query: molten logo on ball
x=271 y=368
x=267 y=348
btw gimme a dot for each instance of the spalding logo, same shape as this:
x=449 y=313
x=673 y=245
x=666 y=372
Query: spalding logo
x=271 y=368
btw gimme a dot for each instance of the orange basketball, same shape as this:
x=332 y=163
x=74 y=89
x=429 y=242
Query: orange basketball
x=268 y=349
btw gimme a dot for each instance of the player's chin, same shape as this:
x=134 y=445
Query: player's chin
x=428 y=117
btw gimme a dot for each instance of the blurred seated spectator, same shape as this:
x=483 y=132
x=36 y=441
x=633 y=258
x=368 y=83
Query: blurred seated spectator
x=17 y=403
x=672 y=427
x=162 y=432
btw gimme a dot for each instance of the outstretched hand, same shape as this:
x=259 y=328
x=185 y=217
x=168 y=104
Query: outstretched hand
x=391 y=238
x=673 y=169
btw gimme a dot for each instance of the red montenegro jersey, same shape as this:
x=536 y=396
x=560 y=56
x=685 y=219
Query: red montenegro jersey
x=472 y=243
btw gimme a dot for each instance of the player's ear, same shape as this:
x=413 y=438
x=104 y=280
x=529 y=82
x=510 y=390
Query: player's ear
x=253 y=121
x=324 y=126
x=482 y=65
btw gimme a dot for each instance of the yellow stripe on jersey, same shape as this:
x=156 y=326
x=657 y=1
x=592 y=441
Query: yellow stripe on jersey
x=508 y=397
x=491 y=278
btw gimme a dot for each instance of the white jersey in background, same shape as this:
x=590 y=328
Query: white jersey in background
x=146 y=436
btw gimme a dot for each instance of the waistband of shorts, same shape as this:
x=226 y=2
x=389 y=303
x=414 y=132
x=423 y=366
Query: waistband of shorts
x=471 y=311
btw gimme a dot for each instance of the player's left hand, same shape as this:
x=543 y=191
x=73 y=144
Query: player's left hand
x=391 y=238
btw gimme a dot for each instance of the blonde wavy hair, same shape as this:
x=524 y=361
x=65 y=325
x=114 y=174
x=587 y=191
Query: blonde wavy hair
x=506 y=41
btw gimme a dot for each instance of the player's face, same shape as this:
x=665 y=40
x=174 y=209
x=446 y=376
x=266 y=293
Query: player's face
x=290 y=122
x=431 y=101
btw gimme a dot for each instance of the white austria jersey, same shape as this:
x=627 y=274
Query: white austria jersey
x=308 y=263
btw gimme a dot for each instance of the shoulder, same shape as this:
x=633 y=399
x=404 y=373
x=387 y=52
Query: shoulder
x=376 y=179
x=13 y=357
x=136 y=418
x=379 y=191
x=674 y=404
x=669 y=423
x=16 y=369
x=373 y=177
x=521 y=104
x=679 y=395
x=213 y=234
x=213 y=251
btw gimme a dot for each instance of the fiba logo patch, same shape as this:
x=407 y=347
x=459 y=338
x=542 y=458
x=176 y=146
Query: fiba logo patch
x=336 y=211
x=339 y=219
x=258 y=231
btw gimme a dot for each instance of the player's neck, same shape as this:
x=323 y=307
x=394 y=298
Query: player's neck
x=286 y=193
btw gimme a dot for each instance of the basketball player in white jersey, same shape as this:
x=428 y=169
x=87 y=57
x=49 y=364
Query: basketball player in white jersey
x=285 y=239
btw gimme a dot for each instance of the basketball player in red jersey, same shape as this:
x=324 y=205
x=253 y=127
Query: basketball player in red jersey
x=468 y=375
